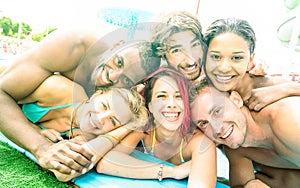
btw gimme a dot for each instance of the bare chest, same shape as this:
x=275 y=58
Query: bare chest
x=281 y=158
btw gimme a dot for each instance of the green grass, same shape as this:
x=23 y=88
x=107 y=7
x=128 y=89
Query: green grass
x=16 y=170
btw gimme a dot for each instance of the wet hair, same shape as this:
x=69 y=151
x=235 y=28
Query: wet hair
x=173 y=23
x=231 y=25
x=197 y=88
x=182 y=84
x=149 y=60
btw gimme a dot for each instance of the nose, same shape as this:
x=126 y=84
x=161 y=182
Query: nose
x=188 y=56
x=103 y=117
x=216 y=128
x=114 y=75
x=171 y=103
x=225 y=66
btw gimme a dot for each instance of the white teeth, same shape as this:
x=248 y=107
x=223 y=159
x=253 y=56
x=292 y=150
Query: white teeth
x=227 y=133
x=190 y=68
x=104 y=77
x=170 y=114
x=224 y=77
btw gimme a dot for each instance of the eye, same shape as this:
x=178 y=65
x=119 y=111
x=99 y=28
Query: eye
x=104 y=106
x=202 y=124
x=119 y=61
x=215 y=57
x=196 y=43
x=178 y=96
x=237 y=58
x=175 y=50
x=217 y=112
x=113 y=122
x=161 y=96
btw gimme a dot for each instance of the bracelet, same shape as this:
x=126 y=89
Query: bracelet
x=160 y=173
x=108 y=137
x=115 y=137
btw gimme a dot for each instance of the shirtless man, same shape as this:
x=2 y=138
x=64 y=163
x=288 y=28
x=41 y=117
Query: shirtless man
x=83 y=57
x=266 y=139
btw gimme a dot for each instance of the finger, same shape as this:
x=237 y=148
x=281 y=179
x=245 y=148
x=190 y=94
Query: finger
x=69 y=156
x=55 y=165
x=81 y=155
x=79 y=148
x=52 y=135
x=251 y=105
x=258 y=107
x=264 y=178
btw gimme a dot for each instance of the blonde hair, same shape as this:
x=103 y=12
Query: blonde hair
x=136 y=102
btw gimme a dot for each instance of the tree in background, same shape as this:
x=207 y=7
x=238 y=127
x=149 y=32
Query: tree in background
x=11 y=29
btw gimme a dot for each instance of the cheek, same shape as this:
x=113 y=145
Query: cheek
x=210 y=65
x=197 y=53
x=172 y=60
x=241 y=68
x=180 y=104
x=83 y=124
x=208 y=132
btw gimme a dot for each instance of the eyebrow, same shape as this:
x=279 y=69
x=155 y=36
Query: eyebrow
x=241 y=52
x=179 y=45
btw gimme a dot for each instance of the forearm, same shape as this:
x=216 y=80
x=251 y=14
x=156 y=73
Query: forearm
x=119 y=133
x=104 y=143
x=120 y=164
x=252 y=183
x=17 y=128
x=291 y=89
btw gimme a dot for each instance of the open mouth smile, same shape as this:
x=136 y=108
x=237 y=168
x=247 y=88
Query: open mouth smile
x=227 y=133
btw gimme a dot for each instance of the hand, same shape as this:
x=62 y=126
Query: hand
x=259 y=67
x=277 y=177
x=51 y=134
x=182 y=171
x=255 y=183
x=65 y=157
x=136 y=126
x=261 y=97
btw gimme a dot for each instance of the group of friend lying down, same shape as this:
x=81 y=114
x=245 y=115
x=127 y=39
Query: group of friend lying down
x=154 y=110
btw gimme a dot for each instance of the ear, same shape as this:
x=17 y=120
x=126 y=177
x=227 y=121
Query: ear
x=139 y=88
x=251 y=64
x=236 y=98
x=150 y=107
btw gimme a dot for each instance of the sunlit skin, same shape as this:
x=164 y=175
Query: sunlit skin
x=185 y=54
x=166 y=103
x=219 y=118
x=227 y=59
x=104 y=113
x=122 y=70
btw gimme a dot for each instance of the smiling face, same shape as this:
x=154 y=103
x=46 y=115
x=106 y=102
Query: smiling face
x=227 y=59
x=219 y=117
x=122 y=70
x=105 y=112
x=166 y=103
x=185 y=54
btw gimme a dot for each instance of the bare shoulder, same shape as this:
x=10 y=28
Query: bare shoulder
x=284 y=120
x=287 y=107
x=200 y=141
